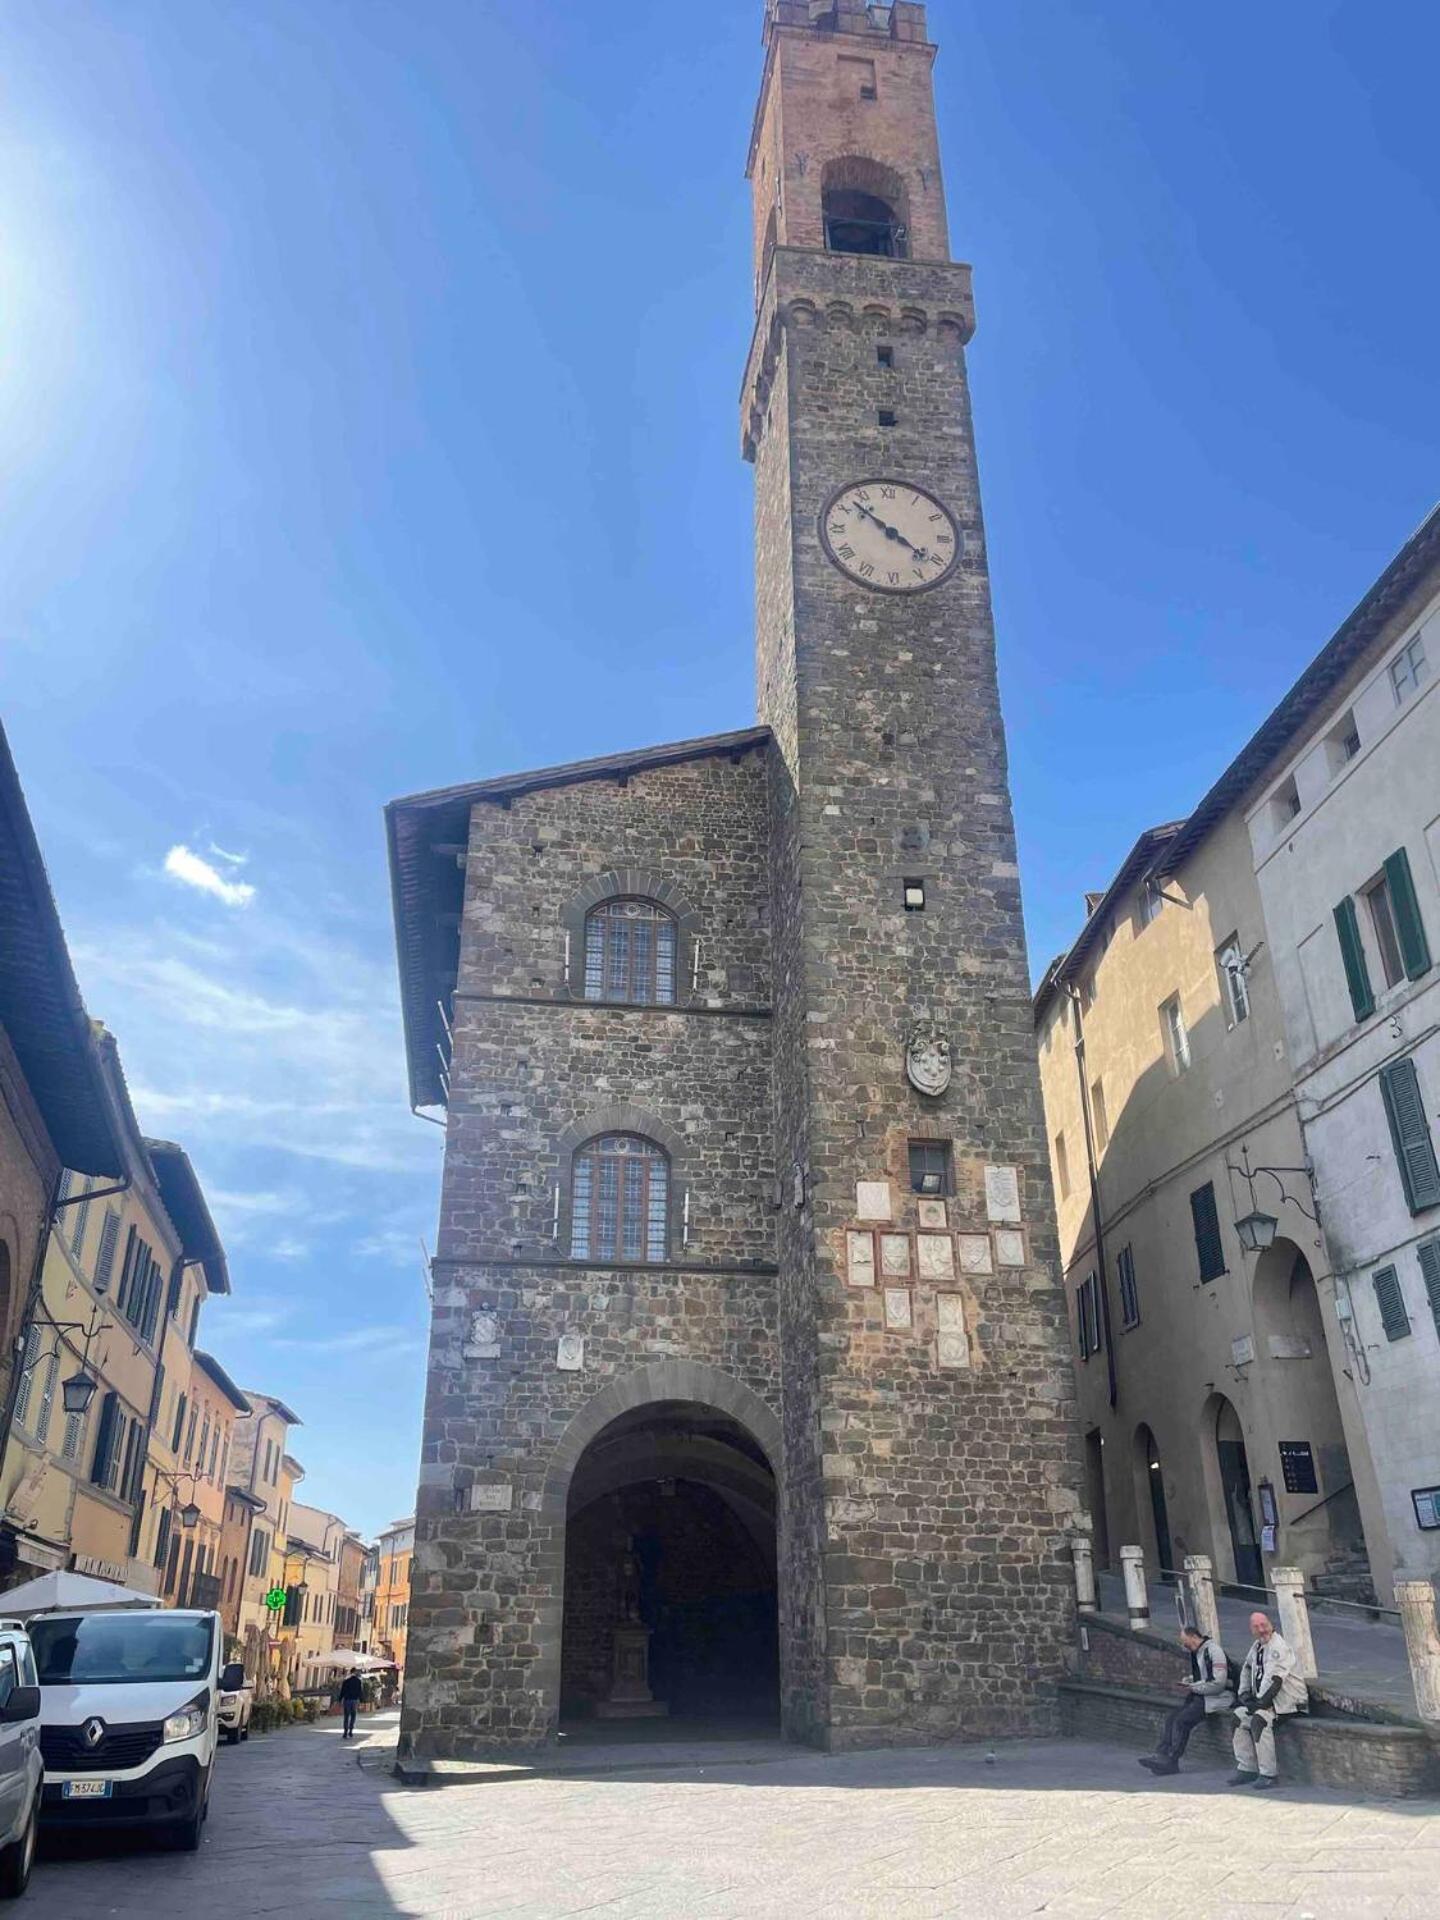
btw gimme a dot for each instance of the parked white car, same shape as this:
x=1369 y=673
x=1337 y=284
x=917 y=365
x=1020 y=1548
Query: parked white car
x=20 y=1764
x=129 y=1718
x=237 y=1698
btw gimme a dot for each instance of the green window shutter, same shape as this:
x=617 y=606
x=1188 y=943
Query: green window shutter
x=1410 y=1131
x=1391 y=1302
x=1430 y=1272
x=1357 y=974
x=1414 y=947
x=1209 y=1247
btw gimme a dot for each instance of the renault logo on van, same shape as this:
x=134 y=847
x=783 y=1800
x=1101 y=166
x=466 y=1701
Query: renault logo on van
x=94 y=1731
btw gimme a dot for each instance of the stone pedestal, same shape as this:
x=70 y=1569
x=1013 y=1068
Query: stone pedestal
x=630 y=1697
x=1289 y=1585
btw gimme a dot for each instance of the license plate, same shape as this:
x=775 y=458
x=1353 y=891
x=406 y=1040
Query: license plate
x=85 y=1789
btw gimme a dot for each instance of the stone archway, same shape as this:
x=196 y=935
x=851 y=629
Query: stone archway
x=1321 y=1530
x=668 y=1543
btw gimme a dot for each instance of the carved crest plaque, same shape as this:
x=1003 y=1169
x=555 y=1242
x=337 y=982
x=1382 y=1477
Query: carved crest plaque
x=927 y=1058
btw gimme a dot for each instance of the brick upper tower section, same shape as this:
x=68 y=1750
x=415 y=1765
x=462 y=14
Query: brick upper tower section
x=846 y=106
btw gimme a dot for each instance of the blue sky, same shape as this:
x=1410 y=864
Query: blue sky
x=368 y=422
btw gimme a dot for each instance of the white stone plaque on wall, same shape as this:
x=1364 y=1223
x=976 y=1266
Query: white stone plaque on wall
x=1242 y=1350
x=953 y=1346
x=570 y=1352
x=975 y=1253
x=860 y=1254
x=935 y=1253
x=1010 y=1247
x=872 y=1199
x=491 y=1499
x=897 y=1308
x=932 y=1213
x=482 y=1342
x=895 y=1256
x=1002 y=1195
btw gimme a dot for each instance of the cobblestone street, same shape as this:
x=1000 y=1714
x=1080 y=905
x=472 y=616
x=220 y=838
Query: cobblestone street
x=1064 y=1829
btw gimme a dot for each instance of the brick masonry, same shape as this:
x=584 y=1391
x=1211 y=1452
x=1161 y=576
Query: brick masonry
x=924 y=1590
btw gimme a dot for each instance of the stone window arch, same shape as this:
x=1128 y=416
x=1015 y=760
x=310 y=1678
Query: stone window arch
x=622 y=1197
x=630 y=938
x=866 y=208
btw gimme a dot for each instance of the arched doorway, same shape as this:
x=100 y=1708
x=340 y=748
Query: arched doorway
x=1233 y=1465
x=1150 y=1490
x=1319 y=1511
x=670 y=1546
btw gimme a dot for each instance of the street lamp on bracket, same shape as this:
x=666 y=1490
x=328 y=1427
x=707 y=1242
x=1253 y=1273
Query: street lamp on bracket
x=1257 y=1229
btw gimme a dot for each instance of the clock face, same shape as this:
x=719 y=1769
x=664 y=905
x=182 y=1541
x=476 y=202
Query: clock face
x=889 y=535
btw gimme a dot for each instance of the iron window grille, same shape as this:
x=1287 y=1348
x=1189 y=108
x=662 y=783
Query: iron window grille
x=930 y=1168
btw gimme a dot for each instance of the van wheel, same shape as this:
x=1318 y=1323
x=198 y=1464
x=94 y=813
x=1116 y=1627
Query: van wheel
x=245 y=1731
x=232 y=1736
x=185 y=1834
x=19 y=1857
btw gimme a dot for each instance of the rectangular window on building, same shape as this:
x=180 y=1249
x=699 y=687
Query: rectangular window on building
x=74 y=1434
x=1409 y=670
x=1177 y=1035
x=1382 y=926
x=1410 y=1132
x=1234 y=988
x=106 y=1440
x=1151 y=905
x=1285 y=806
x=47 y=1399
x=1062 y=1165
x=259 y=1547
x=930 y=1168
x=1430 y=1274
x=1129 y=1292
x=1101 y=1117
x=1342 y=743
x=162 y=1539
x=29 y=1358
x=1087 y=1316
x=1391 y=1302
x=80 y=1219
x=1209 y=1247
x=105 y=1258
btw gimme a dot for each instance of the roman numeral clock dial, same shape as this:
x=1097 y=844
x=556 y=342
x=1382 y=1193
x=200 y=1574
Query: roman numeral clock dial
x=890 y=536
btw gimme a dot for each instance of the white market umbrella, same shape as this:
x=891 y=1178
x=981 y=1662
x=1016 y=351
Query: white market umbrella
x=347 y=1660
x=70 y=1593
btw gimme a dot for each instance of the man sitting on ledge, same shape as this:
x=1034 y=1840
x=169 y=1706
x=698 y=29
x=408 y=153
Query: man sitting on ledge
x=1270 y=1686
x=1206 y=1691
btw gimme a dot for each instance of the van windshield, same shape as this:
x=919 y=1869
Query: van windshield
x=120 y=1648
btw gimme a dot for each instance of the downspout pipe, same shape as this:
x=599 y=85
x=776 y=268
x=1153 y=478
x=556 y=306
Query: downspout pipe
x=1097 y=1214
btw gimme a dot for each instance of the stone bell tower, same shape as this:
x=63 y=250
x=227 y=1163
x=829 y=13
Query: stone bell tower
x=930 y=1460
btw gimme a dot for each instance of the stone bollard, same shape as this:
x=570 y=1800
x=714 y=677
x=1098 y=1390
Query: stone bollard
x=1132 y=1565
x=1083 y=1556
x=1200 y=1579
x=1290 y=1604
x=1416 y=1601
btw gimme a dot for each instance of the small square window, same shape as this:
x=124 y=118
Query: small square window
x=887 y=417
x=914 y=896
x=1342 y=743
x=1285 y=805
x=930 y=1168
x=885 y=356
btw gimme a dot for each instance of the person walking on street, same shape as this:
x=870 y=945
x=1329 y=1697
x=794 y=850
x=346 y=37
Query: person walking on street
x=1207 y=1691
x=351 y=1694
x=1270 y=1687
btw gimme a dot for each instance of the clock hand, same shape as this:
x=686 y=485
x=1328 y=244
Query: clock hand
x=890 y=533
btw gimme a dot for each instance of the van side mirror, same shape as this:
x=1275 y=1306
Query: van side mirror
x=23 y=1704
x=232 y=1678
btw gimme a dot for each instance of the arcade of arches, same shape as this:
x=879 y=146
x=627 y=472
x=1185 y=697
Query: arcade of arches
x=671 y=1528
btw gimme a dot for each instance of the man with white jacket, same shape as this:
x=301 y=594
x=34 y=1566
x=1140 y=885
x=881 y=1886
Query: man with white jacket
x=1270 y=1686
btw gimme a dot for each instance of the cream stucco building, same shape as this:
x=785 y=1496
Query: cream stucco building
x=1231 y=1055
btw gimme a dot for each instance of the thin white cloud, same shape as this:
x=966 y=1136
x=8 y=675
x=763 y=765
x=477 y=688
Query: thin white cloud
x=193 y=871
x=231 y=859
x=359 y=1340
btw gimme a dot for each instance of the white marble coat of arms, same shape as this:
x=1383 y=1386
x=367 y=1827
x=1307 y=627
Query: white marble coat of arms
x=927 y=1058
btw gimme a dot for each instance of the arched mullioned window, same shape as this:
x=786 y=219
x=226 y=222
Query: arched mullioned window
x=619 y=1199
x=630 y=953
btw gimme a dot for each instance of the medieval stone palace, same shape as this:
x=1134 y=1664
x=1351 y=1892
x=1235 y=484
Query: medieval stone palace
x=750 y=1389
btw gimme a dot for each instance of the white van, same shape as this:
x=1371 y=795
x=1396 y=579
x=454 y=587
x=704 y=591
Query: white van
x=128 y=1724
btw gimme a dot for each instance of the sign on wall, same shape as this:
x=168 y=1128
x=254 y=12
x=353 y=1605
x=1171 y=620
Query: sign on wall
x=1297 y=1467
